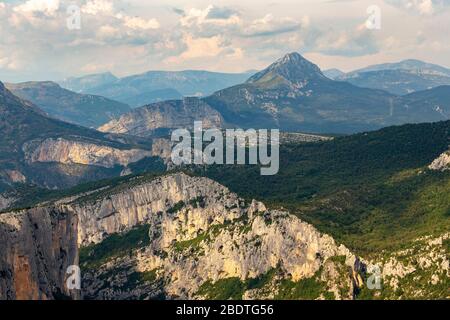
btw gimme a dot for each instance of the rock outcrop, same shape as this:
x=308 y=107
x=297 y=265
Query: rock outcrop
x=165 y=115
x=65 y=151
x=441 y=163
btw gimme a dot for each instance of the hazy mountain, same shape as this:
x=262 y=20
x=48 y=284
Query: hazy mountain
x=333 y=73
x=434 y=101
x=154 y=96
x=400 y=78
x=412 y=65
x=144 y=121
x=83 y=109
x=83 y=84
x=154 y=86
x=35 y=149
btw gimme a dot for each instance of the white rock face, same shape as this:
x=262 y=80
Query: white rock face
x=442 y=162
x=170 y=114
x=75 y=152
x=127 y=208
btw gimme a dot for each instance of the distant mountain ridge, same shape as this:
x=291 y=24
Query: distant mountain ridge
x=83 y=84
x=82 y=109
x=155 y=86
x=399 y=78
x=333 y=74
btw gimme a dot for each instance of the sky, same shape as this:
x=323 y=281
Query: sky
x=56 y=39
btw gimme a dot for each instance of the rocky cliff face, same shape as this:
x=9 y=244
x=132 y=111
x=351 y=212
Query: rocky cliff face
x=37 y=246
x=199 y=233
x=165 y=115
x=76 y=152
x=182 y=237
x=196 y=233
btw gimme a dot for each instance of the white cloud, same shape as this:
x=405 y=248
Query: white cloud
x=48 y=7
x=210 y=15
x=354 y=42
x=137 y=23
x=422 y=7
x=426 y=7
x=198 y=48
x=107 y=31
x=95 y=7
x=269 y=25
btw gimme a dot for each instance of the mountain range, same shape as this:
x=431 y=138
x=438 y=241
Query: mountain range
x=294 y=95
x=154 y=86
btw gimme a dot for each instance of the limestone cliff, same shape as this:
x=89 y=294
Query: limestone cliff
x=65 y=151
x=196 y=232
x=36 y=247
x=165 y=115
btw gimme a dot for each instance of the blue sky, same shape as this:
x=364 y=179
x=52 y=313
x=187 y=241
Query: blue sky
x=134 y=36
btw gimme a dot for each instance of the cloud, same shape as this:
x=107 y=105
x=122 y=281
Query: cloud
x=95 y=7
x=422 y=7
x=106 y=8
x=210 y=15
x=269 y=26
x=236 y=53
x=221 y=13
x=47 y=7
x=199 y=48
x=354 y=42
x=137 y=23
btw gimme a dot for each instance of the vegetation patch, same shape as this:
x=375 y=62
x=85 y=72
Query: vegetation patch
x=177 y=207
x=305 y=289
x=116 y=245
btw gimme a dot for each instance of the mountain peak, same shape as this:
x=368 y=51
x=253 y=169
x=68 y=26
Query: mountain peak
x=292 y=69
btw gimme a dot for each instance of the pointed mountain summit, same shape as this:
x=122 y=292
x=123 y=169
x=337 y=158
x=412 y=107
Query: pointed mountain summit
x=294 y=94
x=292 y=69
